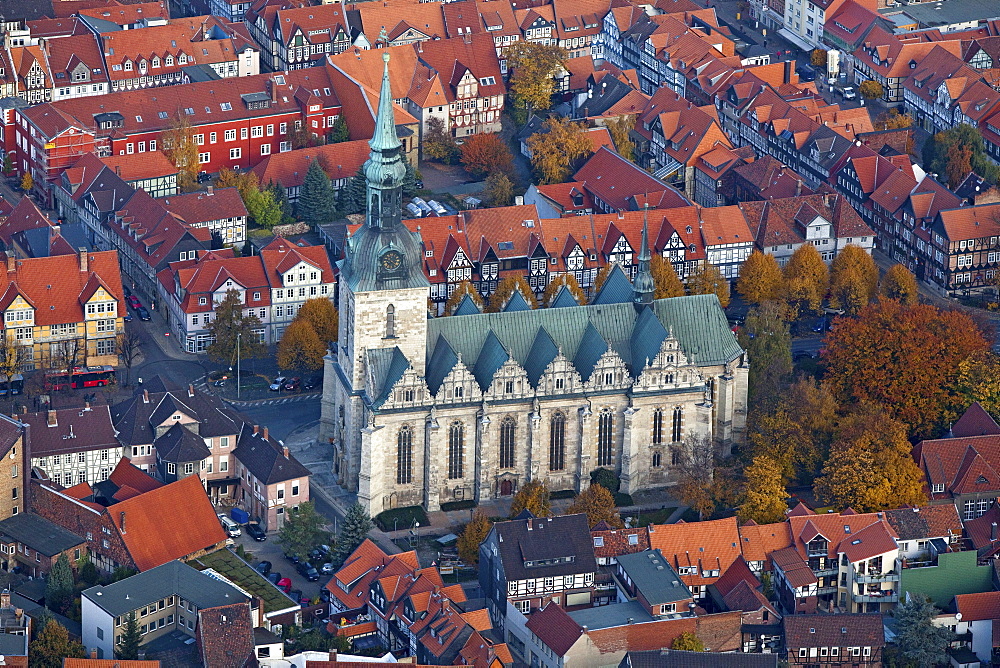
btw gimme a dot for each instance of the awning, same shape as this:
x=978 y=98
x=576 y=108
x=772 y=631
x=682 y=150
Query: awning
x=796 y=40
x=223 y=481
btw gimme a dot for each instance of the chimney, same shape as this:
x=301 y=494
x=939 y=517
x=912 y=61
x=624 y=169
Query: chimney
x=83 y=259
x=190 y=390
x=145 y=396
x=333 y=655
x=211 y=191
x=787 y=74
x=272 y=88
x=284 y=451
x=10 y=261
x=118 y=170
x=255 y=430
x=123 y=521
x=93 y=653
x=265 y=433
x=798 y=187
x=52 y=419
x=993 y=531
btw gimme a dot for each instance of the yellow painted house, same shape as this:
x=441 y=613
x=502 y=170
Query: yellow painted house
x=63 y=310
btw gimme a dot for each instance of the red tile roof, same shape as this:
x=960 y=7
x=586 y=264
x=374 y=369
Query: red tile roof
x=616 y=542
x=758 y=541
x=614 y=179
x=139 y=166
x=555 y=628
x=978 y=607
x=225 y=636
x=975 y=422
x=707 y=546
x=203 y=207
x=950 y=461
x=127 y=14
x=339 y=161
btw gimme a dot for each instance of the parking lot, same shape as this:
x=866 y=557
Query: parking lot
x=269 y=550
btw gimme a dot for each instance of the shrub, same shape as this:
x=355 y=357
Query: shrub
x=404 y=518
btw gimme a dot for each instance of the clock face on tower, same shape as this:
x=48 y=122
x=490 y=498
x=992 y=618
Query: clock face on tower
x=391 y=260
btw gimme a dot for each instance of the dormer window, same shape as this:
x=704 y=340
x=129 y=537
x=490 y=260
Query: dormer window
x=128 y=65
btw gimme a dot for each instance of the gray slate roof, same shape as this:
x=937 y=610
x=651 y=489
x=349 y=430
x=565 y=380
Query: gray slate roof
x=135 y=418
x=181 y=445
x=677 y=658
x=172 y=578
x=13 y=645
x=387 y=365
x=564 y=299
x=39 y=534
x=654 y=577
x=549 y=538
x=265 y=459
x=467 y=306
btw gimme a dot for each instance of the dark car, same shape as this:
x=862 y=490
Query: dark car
x=273 y=577
x=317 y=555
x=819 y=325
x=294 y=558
x=307 y=571
x=295 y=595
x=263 y=567
x=128 y=317
x=133 y=301
x=143 y=313
x=293 y=384
x=313 y=383
x=255 y=531
x=806 y=73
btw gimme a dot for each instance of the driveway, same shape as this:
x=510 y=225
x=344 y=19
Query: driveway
x=270 y=550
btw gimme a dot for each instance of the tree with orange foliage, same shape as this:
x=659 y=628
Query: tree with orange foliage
x=958 y=164
x=486 y=154
x=903 y=359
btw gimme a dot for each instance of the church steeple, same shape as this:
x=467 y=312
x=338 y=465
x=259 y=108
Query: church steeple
x=643 y=286
x=385 y=169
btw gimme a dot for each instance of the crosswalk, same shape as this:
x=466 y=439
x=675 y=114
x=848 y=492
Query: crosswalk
x=273 y=402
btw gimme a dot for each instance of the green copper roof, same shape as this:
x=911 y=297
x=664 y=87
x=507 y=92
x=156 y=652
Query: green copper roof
x=647 y=337
x=564 y=298
x=643 y=287
x=442 y=361
x=583 y=333
x=387 y=366
x=543 y=351
x=517 y=302
x=467 y=306
x=616 y=289
x=385 y=122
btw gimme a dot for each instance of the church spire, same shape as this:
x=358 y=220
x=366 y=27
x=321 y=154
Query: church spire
x=385 y=169
x=385 y=138
x=643 y=287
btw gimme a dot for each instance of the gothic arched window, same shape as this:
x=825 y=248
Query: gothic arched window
x=658 y=426
x=508 y=430
x=390 y=322
x=404 y=456
x=675 y=430
x=657 y=460
x=456 y=450
x=557 y=442
x=605 y=438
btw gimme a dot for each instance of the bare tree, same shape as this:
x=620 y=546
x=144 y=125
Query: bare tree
x=13 y=357
x=68 y=355
x=695 y=457
x=128 y=347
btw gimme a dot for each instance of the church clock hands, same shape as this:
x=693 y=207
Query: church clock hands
x=391 y=260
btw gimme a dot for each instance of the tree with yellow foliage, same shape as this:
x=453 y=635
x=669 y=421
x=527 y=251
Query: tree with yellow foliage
x=532 y=66
x=462 y=289
x=181 y=150
x=665 y=281
x=320 y=313
x=870 y=465
x=620 y=128
x=979 y=380
x=807 y=279
x=475 y=533
x=853 y=279
x=27 y=182
x=555 y=149
x=765 y=494
x=598 y=504
x=505 y=290
x=900 y=284
x=556 y=283
x=534 y=497
x=300 y=348
x=760 y=278
x=709 y=280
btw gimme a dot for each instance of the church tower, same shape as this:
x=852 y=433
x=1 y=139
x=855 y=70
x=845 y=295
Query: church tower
x=382 y=293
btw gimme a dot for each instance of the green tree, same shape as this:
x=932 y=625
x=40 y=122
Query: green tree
x=59 y=586
x=921 y=642
x=321 y=314
x=280 y=196
x=870 y=465
x=765 y=494
x=533 y=66
x=303 y=530
x=353 y=197
x=760 y=278
x=688 y=641
x=807 y=279
x=339 y=132
x=317 y=199
x=557 y=147
x=665 y=280
x=766 y=337
x=353 y=531
x=263 y=209
x=534 y=497
x=620 y=128
x=231 y=328
x=475 y=532
x=462 y=289
x=499 y=189
x=410 y=177
x=607 y=479
x=8 y=165
x=900 y=284
x=130 y=640
x=51 y=645
x=598 y=504
x=438 y=143
x=300 y=348
x=959 y=148
x=708 y=280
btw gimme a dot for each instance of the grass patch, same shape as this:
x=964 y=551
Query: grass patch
x=690 y=516
x=458 y=505
x=656 y=517
x=563 y=494
x=623 y=500
x=240 y=572
x=401 y=518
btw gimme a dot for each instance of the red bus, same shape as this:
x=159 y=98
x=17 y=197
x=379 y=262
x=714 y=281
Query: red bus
x=83 y=376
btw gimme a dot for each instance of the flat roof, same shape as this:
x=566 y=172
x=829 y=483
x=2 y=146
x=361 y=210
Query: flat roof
x=607 y=616
x=654 y=577
x=933 y=14
x=243 y=575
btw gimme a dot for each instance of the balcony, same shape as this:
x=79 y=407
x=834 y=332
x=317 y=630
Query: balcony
x=885 y=597
x=891 y=576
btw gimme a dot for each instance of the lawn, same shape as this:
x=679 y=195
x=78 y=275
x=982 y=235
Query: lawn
x=656 y=517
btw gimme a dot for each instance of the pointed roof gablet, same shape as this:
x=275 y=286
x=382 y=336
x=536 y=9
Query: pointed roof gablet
x=385 y=138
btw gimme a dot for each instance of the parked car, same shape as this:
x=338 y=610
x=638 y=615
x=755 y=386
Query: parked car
x=293 y=384
x=327 y=567
x=128 y=317
x=273 y=577
x=263 y=568
x=313 y=383
x=231 y=527
x=294 y=558
x=309 y=572
x=284 y=584
x=317 y=555
x=143 y=313
x=256 y=531
x=324 y=595
x=304 y=601
x=133 y=301
x=850 y=93
x=806 y=73
x=276 y=385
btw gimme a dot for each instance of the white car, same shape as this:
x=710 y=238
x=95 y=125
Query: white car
x=850 y=93
x=278 y=383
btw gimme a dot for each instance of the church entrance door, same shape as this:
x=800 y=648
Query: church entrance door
x=506 y=488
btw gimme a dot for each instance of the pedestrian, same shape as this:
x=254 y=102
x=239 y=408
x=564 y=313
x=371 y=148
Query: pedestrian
x=140 y=380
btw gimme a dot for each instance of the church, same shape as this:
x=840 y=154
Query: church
x=426 y=411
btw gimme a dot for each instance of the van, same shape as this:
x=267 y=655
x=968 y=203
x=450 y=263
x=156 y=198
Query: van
x=231 y=527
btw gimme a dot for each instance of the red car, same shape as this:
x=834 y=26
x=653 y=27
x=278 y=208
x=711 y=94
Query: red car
x=284 y=584
x=133 y=301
